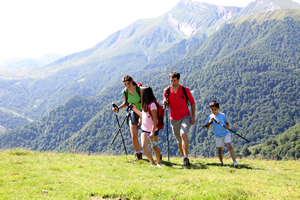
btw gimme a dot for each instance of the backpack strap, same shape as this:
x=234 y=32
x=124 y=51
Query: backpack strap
x=138 y=90
x=186 y=97
x=126 y=96
x=149 y=110
x=168 y=92
x=184 y=92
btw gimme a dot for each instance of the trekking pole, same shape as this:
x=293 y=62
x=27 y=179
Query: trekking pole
x=115 y=106
x=228 y=129
x=165 y=105
x=128 y=114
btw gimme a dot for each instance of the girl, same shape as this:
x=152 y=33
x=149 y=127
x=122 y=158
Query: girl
x=149 y=129
x=132 y=94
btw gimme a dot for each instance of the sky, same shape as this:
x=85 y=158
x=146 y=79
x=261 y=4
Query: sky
x=33 y=28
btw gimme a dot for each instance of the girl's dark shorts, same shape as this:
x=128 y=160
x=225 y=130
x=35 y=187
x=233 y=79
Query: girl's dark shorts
x=148 y=133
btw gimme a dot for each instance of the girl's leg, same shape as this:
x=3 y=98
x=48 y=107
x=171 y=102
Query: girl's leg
x=135 y=137
x=157 y=153
x=156 y=138
x=146 y=148
x=231 y=151
x=220 y=149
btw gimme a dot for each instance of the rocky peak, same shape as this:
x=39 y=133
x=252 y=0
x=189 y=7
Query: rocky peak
x=190 y=17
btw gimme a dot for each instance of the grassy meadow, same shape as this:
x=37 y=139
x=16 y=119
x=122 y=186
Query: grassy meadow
x=27 y=174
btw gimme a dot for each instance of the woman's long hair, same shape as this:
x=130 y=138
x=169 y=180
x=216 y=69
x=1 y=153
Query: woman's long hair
x=147 y=96
x=128 y=78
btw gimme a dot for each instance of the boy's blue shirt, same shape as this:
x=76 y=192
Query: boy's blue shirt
x=218 y=130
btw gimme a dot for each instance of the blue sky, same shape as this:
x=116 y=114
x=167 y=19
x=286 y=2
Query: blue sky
x=32 y=28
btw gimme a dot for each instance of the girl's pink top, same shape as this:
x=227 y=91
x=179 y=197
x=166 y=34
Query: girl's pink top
x=147 y=121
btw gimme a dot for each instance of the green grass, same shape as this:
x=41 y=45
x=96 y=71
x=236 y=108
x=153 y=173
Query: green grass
x=33 y=175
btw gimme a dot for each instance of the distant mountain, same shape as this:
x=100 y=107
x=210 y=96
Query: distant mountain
x=11 y=120
x=258 y=6
x=250 y=67
x=146 y=44
x=28 y=63
x=20 y=63
x=49 y=58
x=88 y=72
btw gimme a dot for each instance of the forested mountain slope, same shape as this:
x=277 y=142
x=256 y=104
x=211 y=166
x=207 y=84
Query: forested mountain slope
x=251 y=68
x=33 y=93
x=257 y=86
x=283 y=146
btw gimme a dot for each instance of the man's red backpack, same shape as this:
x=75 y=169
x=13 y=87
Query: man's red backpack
x=160 y=115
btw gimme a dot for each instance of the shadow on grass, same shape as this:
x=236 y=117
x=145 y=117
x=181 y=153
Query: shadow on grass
x=240 y=166
x=181 y=166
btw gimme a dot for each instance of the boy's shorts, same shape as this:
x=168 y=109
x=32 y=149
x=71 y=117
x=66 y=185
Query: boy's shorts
x=180 y=127
x=220 y=141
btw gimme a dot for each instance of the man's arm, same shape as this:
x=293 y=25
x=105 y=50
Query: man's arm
x=193 y=118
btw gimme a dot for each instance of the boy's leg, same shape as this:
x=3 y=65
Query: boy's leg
x=231 y=151
x=220 y=145
x=145 y=147
x=227 y=140
x=220 y=149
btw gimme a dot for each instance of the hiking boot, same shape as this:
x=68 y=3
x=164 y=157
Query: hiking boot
x=139 y=156
x=186 y=161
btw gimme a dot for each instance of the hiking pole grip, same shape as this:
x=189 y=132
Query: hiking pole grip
x=115 y=106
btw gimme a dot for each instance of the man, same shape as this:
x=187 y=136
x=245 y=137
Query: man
x=181 y=118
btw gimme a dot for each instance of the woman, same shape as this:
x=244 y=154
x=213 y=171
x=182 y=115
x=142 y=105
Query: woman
x=149 y=124
x=131 y=95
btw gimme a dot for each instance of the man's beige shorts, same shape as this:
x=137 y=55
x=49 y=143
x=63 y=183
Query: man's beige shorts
x=180 y=127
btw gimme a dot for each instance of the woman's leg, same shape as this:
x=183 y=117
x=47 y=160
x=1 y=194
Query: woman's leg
x=145 y=147
x=135 y=137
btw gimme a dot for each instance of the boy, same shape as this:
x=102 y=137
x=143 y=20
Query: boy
x=221 y=134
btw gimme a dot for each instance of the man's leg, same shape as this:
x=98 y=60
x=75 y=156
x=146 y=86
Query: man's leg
x=185 y=145
x=180 y=149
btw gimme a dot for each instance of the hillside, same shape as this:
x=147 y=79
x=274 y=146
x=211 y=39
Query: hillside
x=251 y=68
x=257 y=90
x=11 y=120
x=87 y=73
x=283 y=146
